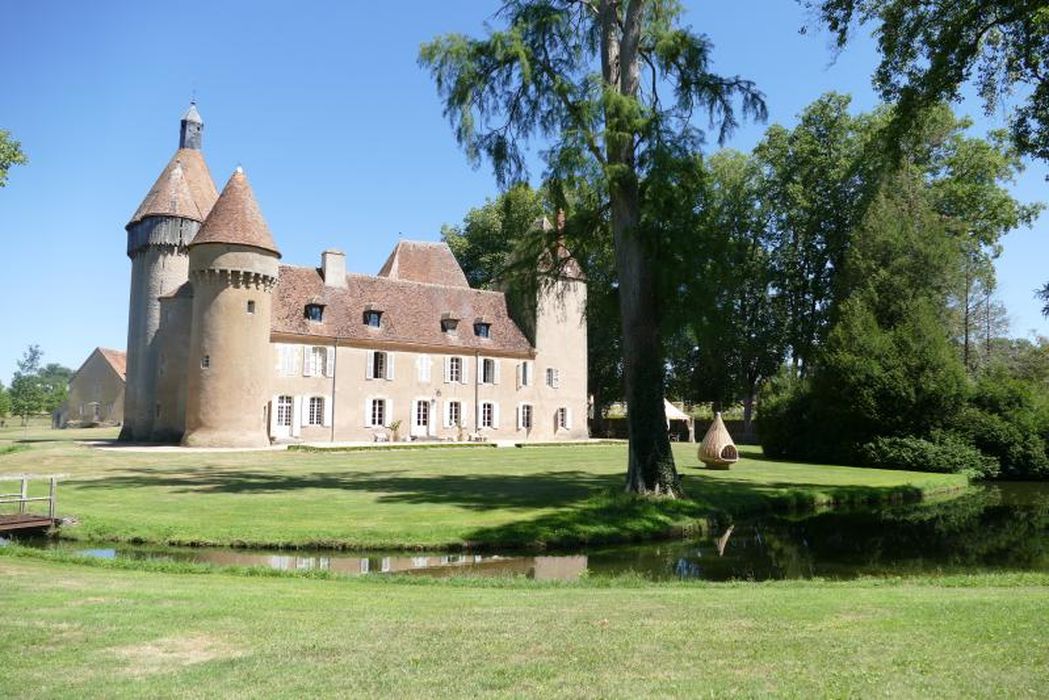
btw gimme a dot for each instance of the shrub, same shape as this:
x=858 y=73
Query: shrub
x=949 y=455
x=1020 y=451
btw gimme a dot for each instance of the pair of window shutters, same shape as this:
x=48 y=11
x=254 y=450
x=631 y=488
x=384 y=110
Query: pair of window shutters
x=328 y=356
x=448 y=423
x=481 y=362
x=520 y=415
x=495 y=414
x=422 y=368
x=369 y=366
x=524 y=374
x=463 y=370
x=387 y=411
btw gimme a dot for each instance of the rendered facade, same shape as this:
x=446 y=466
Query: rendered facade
x=227 y=347
x=96 y=391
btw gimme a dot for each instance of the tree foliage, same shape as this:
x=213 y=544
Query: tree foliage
x=10 y=154
x=929 y=50
x=588 y=79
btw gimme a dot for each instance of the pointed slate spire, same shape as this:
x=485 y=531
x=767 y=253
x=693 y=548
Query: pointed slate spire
x=191 y=128
x=236 y=218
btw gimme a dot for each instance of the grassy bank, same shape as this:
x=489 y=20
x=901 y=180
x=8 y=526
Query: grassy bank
x=417 y=498
x=101 y=632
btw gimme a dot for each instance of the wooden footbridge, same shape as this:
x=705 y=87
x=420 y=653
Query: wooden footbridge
x=16 y=513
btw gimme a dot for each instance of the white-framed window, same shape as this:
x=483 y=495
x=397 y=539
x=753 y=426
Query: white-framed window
x=377 y=413
x=564 y=418
x=553 y=377
x=373 y=318
x=289 y=359
x=284 y=411
x=379 y=365
x=454 y=370
x=315 y=413
x=422 y=413
x=488 y=371
x=316 y=361
x=524 y=374
x=525 y=413
x=483 y=330
x=422 y=366
x=487 y=415
x=453 y=414
x=205 y=361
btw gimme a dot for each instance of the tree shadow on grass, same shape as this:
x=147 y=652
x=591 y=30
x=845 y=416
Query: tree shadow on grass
x=578 y=506
x=474 y=491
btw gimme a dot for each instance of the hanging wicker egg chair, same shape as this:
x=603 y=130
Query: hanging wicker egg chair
x=717 y=450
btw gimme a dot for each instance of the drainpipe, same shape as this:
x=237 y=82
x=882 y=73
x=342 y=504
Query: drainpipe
x=477 y=392
x=334 y=372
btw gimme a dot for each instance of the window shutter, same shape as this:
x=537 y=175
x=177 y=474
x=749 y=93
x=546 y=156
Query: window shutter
x=389 y=365
x=519 y=412
x=307 y=352
x=387 y=413
x=273 y=415
x=495 y=374
x=427 y=366
x=527 y=369
x=520 y=374
x=329 y=362
x=568 y=418
x=464 y=375
x=480 y=370
x=368 y=412
x=296 y=416
x=557 y=378
x=281 y=351
x=447 y=369
x=369 y=364
x=447 y=423
x=495 y=415
x=327 y=412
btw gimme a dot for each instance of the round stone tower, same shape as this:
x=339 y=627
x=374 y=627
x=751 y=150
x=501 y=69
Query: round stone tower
x=157 y=239
x=233 y=269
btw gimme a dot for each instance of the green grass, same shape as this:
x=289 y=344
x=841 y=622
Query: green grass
x=99 y=631
x=417 y=498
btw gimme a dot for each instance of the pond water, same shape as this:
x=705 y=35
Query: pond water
x=992 y=528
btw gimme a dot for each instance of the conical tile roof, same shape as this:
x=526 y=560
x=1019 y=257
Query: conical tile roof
x=236 y=218
x=184 y=189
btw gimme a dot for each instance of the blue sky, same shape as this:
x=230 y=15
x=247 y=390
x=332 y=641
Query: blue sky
x=339 y=130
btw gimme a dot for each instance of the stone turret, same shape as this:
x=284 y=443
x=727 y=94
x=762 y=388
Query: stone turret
x=158 y=236
x=233 y=264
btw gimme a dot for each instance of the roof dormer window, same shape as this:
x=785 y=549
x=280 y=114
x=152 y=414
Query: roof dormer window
x=448 y=325
x=483 y=330
x=314 y=312
x=373 y=318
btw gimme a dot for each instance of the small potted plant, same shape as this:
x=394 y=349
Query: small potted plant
x=395 y=428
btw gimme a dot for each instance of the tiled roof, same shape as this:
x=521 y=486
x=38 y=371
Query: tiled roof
x=419 y=261
x=236 y=218
x=184 y=189
x=117 y=359
x=411 y=312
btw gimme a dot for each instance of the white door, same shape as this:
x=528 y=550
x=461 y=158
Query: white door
x=421 y=415
x=282 y=425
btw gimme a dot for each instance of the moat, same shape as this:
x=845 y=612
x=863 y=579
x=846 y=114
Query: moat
x=1000 y=527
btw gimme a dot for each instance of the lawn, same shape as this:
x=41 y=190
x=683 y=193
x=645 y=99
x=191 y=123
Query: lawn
x=421 y=498
x=96 y=631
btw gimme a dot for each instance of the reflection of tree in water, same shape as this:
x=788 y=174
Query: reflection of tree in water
x=988 y=527
x=976 y=529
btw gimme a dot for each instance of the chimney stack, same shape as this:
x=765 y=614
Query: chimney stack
x=333 y=268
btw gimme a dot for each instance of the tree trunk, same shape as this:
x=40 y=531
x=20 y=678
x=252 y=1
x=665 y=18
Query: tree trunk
x=650 y=467
x=748 y=411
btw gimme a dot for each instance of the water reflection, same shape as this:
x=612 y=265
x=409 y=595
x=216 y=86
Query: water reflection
x=1004 y=527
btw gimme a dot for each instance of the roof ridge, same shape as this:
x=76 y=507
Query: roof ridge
x=399 y=280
